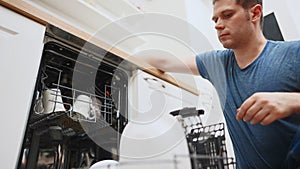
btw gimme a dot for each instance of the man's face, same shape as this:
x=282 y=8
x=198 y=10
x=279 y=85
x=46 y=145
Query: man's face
x=233 y=23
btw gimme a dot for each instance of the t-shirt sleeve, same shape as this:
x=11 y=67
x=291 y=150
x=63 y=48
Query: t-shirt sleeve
x=294 y=56
x=200 y=65
x=211 y=63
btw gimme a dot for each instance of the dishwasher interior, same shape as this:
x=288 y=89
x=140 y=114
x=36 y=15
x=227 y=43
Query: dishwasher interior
x=79 y=108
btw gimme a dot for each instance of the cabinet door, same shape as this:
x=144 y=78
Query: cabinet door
x=153 y=95
x=21 y=43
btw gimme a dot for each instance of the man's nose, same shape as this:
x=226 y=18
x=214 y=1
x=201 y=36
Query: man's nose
x=219 y=24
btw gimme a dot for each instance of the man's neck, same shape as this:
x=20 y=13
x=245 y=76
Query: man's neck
x=247 y=53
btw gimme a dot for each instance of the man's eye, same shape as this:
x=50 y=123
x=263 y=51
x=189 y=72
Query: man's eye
x=228 y=15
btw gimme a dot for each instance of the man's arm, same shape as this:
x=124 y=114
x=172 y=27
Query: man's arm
x=267 y=107
x=173 y=64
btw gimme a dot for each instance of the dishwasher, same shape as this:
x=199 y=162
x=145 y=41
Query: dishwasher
x=79 y=108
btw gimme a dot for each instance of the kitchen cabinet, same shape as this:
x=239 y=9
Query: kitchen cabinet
x=177 y=8
x=21 y=41
x=97 y=18
x=154 y=95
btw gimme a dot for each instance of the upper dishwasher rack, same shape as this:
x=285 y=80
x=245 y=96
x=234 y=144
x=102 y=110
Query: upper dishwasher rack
x=75 y=73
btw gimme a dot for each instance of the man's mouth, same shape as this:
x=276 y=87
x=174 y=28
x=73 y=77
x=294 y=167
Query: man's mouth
x=223 y=35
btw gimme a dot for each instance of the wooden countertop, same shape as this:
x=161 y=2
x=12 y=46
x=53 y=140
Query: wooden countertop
x=43 y=18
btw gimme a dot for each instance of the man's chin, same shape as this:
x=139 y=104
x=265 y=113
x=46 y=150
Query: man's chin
x=227 y=45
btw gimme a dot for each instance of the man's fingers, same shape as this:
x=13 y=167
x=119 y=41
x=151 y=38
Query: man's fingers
x=259 y=116
x=268 y=120
x=244 y=108
x=251 y=112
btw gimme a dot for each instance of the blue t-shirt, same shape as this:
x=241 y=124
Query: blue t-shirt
x=277 y=69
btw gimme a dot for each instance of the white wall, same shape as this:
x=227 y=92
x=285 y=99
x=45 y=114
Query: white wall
x=199 y=14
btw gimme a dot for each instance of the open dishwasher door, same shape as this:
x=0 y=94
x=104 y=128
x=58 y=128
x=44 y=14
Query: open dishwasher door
x=154 y=140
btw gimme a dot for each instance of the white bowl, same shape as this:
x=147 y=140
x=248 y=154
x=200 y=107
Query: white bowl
x=105 y=164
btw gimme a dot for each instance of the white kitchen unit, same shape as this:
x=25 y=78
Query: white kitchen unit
x=21 y=44
x=100 y=19
x=153 y=95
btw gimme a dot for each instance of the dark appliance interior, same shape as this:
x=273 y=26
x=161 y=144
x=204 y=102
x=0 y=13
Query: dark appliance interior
x=66 y=139
x=271 y=28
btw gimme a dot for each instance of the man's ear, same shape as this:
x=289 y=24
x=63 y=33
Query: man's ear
x=256 y=12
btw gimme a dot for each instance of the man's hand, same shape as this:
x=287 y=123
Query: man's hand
x=265 y=108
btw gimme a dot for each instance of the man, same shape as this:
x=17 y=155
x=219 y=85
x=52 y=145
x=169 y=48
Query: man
x=258 y=82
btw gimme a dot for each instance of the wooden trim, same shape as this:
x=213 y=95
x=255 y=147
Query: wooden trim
x=29 y=11
x=21 y=7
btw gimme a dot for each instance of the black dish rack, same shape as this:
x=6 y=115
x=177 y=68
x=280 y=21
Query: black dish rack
x=206 y=143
